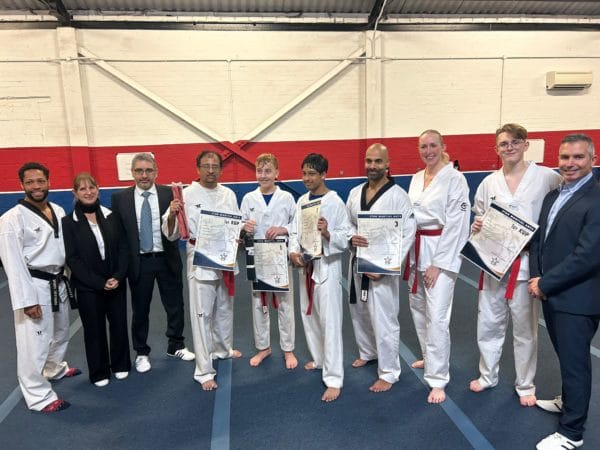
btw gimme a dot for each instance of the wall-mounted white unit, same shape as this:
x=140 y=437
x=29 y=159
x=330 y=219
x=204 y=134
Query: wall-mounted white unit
x=568 y=80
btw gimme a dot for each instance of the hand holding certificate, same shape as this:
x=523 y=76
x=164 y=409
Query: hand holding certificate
x=271 y=265
x=383 y=231
x=503 y=236
x=217 y=240
x=310 y=236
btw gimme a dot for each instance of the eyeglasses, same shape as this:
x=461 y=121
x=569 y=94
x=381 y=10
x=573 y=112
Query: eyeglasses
x=213 y=167
x=513 y=143
x=143 y=171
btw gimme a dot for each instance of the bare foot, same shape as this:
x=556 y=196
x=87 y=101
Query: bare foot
x=310 y=365
x=331 y=394
x=437 y=395
x=419 y=364
x=527 y=400
x=209 y=385
x=236 y=354
x=476 y=386
x=380 y=386
x=290 y=360
x=258 y=358
x=359 y=363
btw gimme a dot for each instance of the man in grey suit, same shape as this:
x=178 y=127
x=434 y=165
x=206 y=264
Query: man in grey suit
x=151 y=258
x=565 y=270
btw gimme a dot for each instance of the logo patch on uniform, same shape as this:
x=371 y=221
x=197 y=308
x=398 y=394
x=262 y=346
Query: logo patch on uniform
x=199 y=205
x=463 y=206
x=37 y=230
x=38 y=332
x=251 y=209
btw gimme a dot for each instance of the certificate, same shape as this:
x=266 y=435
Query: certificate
x=271 y=264
x=310 y=236
x=503 y=236
x=383 y=231
x=217 y=240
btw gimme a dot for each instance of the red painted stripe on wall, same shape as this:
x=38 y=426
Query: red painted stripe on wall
x=176 y=162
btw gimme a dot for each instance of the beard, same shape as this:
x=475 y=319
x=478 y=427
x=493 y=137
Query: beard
x=376 y=175
x=43 y=199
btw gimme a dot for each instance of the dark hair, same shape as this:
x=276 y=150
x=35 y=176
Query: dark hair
x=580 y=137
x=33 y=166
x=204 y=153
x=315 y=161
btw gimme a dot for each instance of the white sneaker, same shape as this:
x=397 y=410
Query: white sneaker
x=142 y=363
x=184 y=354
x=554 y=406
x=101 y=383
x=557 y=441
x=121 y=375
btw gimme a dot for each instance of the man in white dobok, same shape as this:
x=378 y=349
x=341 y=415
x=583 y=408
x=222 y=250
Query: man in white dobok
x=375 y=314
x=33 y=255
x=211 y=290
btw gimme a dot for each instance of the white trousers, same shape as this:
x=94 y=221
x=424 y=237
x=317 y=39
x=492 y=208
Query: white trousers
x=211 y=314
x=323 y=329
x=431 y=310
x=285 y=319
x=492 y=320
x=376 y=325
x=41 y=348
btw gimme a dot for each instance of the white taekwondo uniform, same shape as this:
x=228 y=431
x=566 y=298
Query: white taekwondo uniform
x=28 y=241
x=323 y=327
x=375 y=322
x=211 y=307
x=278 y=213
x=443 y=205
x=494 y=308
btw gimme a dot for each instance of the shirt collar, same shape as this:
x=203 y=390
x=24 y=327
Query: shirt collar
x=139 y=191
x=575 y=185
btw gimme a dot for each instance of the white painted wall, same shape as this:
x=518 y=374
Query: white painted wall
x=458 y=82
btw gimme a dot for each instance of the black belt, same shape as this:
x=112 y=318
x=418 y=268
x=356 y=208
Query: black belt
x=152 y=255
x=54 y=280
x=364 y=284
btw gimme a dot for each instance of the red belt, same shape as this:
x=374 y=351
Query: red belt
x=228 y=277
x=418 y=235
x=265 y=301
x=512 y=279
x=310 y=286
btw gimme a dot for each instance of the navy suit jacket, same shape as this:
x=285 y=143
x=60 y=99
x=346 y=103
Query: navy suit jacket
x=123 y=206
x=568 y=259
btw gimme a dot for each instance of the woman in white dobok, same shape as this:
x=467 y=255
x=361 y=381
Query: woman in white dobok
x=440 y=198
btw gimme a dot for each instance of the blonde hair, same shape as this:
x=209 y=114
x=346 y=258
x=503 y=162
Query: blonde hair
x=266 y=158
x=445 y=155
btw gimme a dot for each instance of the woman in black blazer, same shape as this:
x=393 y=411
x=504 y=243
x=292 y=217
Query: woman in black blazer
x=97 y=256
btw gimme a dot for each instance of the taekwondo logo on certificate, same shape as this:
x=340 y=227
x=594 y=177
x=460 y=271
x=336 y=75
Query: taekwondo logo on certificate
x=217 y=240
x=502 y=238
x=383 y=231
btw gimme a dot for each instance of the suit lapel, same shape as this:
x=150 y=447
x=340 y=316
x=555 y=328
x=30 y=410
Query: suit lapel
x=574 y=199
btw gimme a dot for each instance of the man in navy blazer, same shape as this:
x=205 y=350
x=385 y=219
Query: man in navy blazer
x=156 y=258
x=565 y=276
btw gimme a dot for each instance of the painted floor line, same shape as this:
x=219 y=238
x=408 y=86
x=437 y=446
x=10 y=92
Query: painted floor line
x=456 y=415
x=15 y=396
x=222 y=410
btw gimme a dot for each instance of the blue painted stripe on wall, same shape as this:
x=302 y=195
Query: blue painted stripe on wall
x=341 y=185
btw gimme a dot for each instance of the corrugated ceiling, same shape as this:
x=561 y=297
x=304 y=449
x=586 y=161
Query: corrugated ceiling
x=304 y=11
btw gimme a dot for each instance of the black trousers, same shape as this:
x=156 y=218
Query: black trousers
x=95 y=308
x=153 y=268
x=571 y=336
